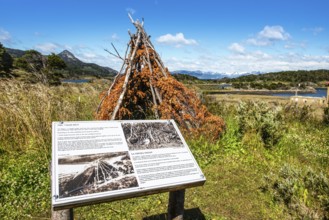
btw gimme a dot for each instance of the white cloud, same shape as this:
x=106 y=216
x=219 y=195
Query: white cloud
x=293 y=45
x=131 y=11
x=269 y=35
x=315 y=30
x=273 y=33
x=47 y=47
x=5 y=36
x=115 y=37
x=176 y=40
x=248 y=62
x=236 y=48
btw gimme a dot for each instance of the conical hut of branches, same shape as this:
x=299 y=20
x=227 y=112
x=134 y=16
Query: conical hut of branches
x=144 y=89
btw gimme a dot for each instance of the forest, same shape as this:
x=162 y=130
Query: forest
x=294 y=77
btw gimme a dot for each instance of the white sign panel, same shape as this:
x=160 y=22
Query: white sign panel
x=99 y=161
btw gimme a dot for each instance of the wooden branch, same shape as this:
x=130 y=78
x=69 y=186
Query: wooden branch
x=131 y=19
x=148 y=61
x=114 y=54
x=113 y=83
x=124 y=88
x=116 y=50
x=160 y=66
x=156 y=57
x=154 y=100
x=130 y=34
x=158 y=95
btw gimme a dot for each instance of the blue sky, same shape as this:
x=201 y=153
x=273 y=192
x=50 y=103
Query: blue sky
x=231 y=36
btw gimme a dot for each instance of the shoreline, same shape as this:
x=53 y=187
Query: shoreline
x=257 y=92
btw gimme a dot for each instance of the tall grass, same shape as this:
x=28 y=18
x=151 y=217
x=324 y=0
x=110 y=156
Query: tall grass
x=26 y=114
x=27 y=110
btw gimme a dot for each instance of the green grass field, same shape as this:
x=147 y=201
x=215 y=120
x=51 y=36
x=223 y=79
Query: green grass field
x=272 y=162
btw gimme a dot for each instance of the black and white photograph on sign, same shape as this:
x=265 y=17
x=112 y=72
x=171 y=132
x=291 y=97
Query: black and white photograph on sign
x=87 y=174
x=151 y=135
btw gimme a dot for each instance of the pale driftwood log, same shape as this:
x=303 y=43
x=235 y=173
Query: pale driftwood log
x=124 y=88
x=113 y=83
x=131 y=19
x=114 y=54
x=116 y=51
x=153 y=90
x=176 y=205
x=158 y=95
x=154 y=101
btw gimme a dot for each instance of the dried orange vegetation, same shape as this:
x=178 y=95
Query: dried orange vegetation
x=151 y=92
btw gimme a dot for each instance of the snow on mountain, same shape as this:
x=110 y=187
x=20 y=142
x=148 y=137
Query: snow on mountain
x=212 y=75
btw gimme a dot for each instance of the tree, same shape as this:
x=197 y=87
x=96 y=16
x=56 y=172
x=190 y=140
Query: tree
x=35 y=61
x=54 y=69
x=6 y=61
x=55 y=62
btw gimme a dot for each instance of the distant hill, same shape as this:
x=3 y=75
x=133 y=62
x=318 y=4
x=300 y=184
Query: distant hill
x=15 y=53
x=182 y=77
x=210 y=75
x=75 y=67
x=298 y=76
x=293 y=77
x=78 y=68
x=200 y=74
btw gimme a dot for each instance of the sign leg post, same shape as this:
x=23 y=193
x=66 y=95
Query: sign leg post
x=176 y=205
x=66 y=214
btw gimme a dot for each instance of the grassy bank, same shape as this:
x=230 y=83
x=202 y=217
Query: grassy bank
x=271 y=163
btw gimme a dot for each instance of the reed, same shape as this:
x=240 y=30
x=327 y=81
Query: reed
x=27 y=111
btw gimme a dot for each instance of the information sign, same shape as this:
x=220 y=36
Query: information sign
x=99 y=161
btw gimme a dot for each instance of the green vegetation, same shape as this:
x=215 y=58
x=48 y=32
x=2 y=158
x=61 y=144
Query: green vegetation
x=280 y=80
x=33 y=67
x=271 y=163
x=295 y=77
x=186 y=78
x=262 y=85
x=6 y=61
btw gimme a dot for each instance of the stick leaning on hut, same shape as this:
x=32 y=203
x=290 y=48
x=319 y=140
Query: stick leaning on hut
x=144 y=89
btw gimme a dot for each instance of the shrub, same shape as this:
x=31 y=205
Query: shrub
x=263 y=119
x=299 y=113
x=305 y=193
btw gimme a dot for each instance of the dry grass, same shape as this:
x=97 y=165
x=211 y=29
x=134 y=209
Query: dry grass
x=235 y=99
x=27 y=111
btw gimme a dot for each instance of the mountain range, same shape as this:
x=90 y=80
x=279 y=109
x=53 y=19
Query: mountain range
x=75 y=67
x=212 y=75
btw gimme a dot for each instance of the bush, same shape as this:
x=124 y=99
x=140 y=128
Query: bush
x=305 y=193
x=299 y=113
x=263 y=119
